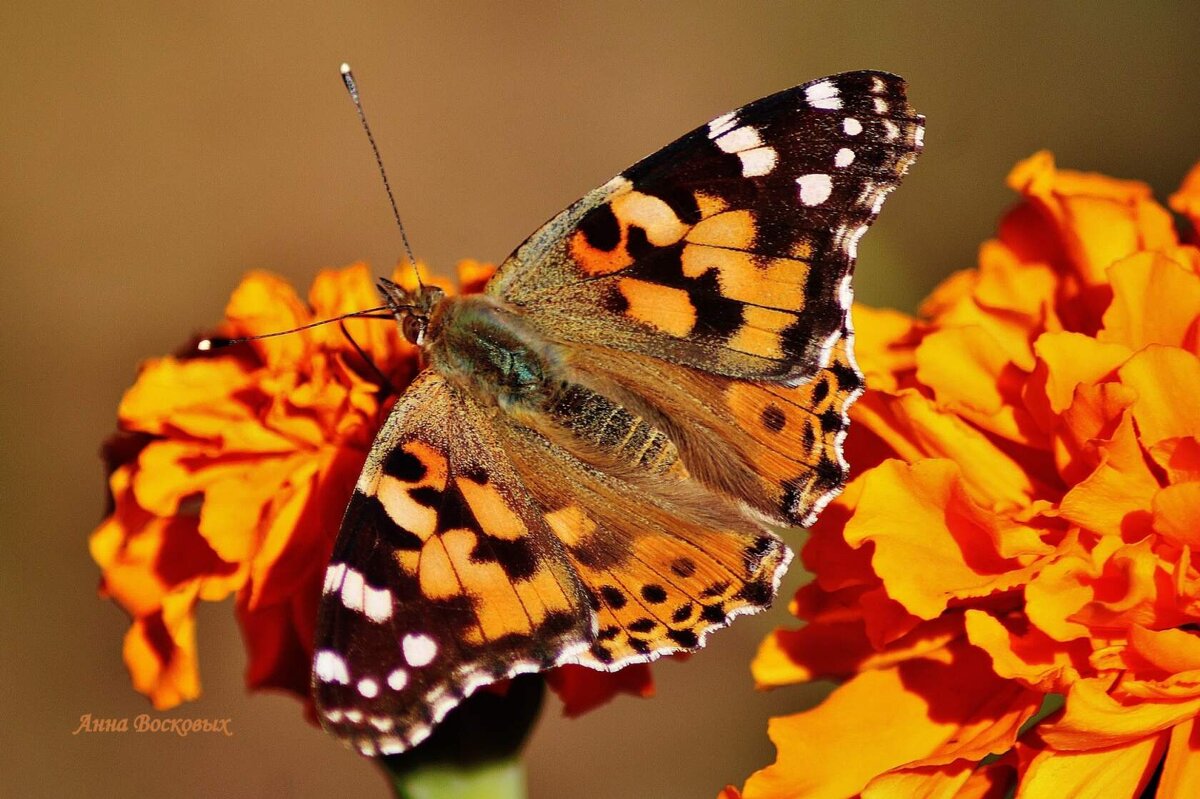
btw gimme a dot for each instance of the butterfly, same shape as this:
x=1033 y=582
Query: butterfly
x=585 y=469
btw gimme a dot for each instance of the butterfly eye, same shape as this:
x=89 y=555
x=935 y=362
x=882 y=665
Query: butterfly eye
x=413 y=328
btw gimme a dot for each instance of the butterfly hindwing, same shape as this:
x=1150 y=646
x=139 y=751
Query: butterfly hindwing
x=663 y=563
x=445 y=577
x=731 y=249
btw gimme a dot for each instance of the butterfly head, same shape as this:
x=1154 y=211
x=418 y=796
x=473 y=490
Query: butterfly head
x=412 y=309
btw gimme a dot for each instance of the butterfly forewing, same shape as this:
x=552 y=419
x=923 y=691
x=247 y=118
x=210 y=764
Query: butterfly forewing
x=445 y=577
x=729 y=250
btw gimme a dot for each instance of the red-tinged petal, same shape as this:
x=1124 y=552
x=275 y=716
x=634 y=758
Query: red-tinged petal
x=1007 y=285
x=1179 y=457
x=815 y=651
x=1169 y=650
x=1186 y=201
x=1115 y=499
x=1100 y=220
x=826 y=554
x=264 y=303
x=302 y=525
x=930 y=547
x=279 y=644
x=582 y=689
x=1181 y=768
x=914 y=428
x=1177 y=514
x=1161 y=376
x=926 y=782
x=473 y=275
x=1060 y=590
x=336 y=292
x=1092 y=718
x=974 y=377
x=203 y=399
x=883 y=345
x=1067 y=360
x=1021 y=652
x=729 y=792
x=235 y=501
x=1118 y=772
x=1087 y=426
x=160 y=651
x=1155 y=301
x=922 y=712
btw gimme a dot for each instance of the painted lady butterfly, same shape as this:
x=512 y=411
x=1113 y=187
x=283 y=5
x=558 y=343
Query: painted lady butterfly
x=582 y=472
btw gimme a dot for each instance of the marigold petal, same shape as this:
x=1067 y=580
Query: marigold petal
x=914 y=428
x=279 y=643
x=1066 y=360
x=1057 y=592
x=201 y=398
x=1087 y=426
x=1170 y=650
x=336 y=292
x=1119 y=771
x=815 y=651
x=1177 y=514
x=973 y=376
x=1116 y=497
x=1186 y=201
x=265 y=303
x=1092 y=718
x=1029 y=655
x=1161 y=376
x=582 y=689
x=1181 y=768
x=473 y=275
x=926 y=782
x=1099 y=219
x=922 y=712
x=932 y=542
x=160 y=651
x=1155 y=301
x=883 y=345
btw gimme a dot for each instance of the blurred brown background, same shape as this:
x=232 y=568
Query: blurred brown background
x=150 y=153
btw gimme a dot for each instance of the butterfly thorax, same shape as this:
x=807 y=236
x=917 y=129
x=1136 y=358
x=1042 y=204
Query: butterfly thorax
x=494 y=355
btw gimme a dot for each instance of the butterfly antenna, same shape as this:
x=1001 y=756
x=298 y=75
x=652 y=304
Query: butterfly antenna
x=352 y=88
x=206 y=344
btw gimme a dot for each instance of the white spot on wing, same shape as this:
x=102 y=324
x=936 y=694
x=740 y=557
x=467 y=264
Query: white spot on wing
x=814 y=189
x=844 y=157
x=333 y=577
x=377 y=603
x=352 y=590
x=893 y=130
x=391 y=745
x=877 y=85
x=742 y=138
x=823 y=95
x=845 y=293
x=397 y=679
x=381 y=723
x=881 y=106
x=759 y=161
x=330 y=667
x=368 y=688
x=722 y=124
x=419 y=649
x=334 y=716
x=851 y=126
x=919 y=136
x=354 y=716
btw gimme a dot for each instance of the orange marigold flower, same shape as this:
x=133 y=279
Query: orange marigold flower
x=230 y=473
x=1010 y=594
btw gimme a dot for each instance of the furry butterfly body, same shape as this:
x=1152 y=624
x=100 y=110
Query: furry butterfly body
x=583 y=471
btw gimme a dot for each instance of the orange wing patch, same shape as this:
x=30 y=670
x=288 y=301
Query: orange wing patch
x=667 y=309
x=601 y=246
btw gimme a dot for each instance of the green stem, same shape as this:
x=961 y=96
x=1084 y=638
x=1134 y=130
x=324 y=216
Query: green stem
x=498 y=779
